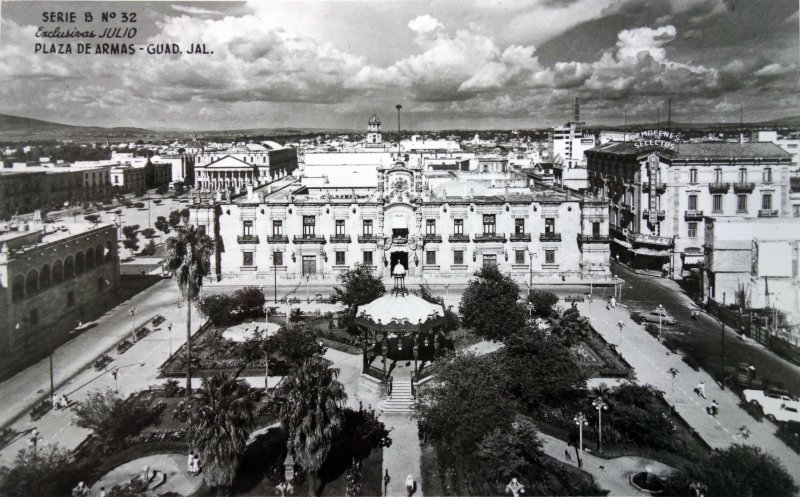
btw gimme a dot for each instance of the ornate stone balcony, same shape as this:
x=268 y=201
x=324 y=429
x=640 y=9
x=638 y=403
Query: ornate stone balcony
x=768 y=213
x=490 y=237
x=432 y=238
x=278 y=239
x=744 y=187
x=459 y=238
x=520 y=237
x=367 y=239
x=693 y=214
x=719 y=187
x=309 y=239
x=340 y=238
x=594 y=238
x=550 y=237
x=247 y=239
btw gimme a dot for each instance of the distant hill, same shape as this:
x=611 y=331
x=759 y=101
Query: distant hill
x=784 y=122
x=16 y=128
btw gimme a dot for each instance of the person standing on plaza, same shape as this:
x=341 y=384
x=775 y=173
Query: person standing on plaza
x=103 y=492
x=197 y=468
x=613 y=303
x=190 y=463
x=701 y=389
x=567 y=455
x=411 y=486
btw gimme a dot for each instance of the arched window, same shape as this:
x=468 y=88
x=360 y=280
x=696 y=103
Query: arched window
x=58 y=272
x=89 y=258
x=80 y=263
x=44 y=277
x=32 y=282
x=98 y=255
x=69 y=267
x=18 y=288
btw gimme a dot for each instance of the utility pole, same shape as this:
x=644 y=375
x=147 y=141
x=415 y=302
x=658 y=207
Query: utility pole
x=722 y=322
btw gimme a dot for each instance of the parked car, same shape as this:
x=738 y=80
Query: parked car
x=778 y=405
x=653 y=317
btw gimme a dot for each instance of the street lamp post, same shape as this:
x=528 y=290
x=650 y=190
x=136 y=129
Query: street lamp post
x=266 y=347
x=531 y=255
x=660 y=314
x=722 y=322
x=133 y=324
x=580 y=420
x=169 y=327
x=620 y=325
x=601 y=406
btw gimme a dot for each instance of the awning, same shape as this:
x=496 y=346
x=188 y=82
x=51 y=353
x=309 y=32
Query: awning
x=651 y=252
x=621 y=242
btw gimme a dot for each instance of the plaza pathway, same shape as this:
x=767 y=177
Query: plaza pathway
x=652 y=361
x=404 y=456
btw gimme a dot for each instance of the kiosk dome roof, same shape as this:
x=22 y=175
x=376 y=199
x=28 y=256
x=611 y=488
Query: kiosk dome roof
x=400 y=308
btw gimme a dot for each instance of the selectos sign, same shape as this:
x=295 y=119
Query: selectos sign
x=655 y=138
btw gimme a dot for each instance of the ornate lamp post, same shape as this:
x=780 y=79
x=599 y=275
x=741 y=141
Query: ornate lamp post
x=133 y=324
x=660 y=310
x=580 y=420
x=601 y=406
x=169 y=327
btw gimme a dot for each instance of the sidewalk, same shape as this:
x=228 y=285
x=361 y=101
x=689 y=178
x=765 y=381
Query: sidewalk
x=404 y=456
x=75 y=376
x=652 y=360
x=609 y=474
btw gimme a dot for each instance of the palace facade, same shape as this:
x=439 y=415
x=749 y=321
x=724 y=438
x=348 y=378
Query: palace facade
x=235 y=169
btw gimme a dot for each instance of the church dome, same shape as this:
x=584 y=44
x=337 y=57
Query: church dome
x=400 y=309
x=374 y=120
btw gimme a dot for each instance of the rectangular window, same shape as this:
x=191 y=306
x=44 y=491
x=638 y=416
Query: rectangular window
x=458 y=226
x=549 y=256
x=692 y=175
x=340 y=227
x=340 y=258
x=277 y=258
x=488 y=224
x=549 y=225
x=458 y=256
x=717 y=175
x=247 y=228
x=367 y=226
x=742 y=175
x=741 y=203
x=247 y=258
x=596 y=230
x=308 y=226
x=430 y=226
x=430 y=257
x=692 y=230
x=717 y=203
x=766 y=201
x=368 y=258
x=519 y=257
x=489 y=260
x=692 y=202
x=309 y=263
x=277 y=227
x=767 y=175
x=519 y=226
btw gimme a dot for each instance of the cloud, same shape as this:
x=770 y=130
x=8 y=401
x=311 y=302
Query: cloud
x=195 y=10
x=424 y=24
x=775 y=69
x=634 y=41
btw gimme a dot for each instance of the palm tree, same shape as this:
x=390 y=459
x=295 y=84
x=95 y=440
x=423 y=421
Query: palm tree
x=222 y=417
x=188 y=256
x=312 y=413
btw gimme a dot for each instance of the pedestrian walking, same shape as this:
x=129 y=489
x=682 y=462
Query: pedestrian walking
x=515 y=488
x=613 y=303
x=81 y=490
x=567 y=455
x=700 y=389
x=608 y=303
x=190 y=463
x=197 y=467
x=411 y=486
x=103 y=492
x=33 y=440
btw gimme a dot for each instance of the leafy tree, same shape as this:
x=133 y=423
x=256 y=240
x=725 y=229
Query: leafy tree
x=131 y=244
x=361 y=433
x=188 y=257
x=185 y=215
x=359 y=286
x=297 y=342
x=219 y=309
x=540 y=368
x=138 y=205
x=161 y=224
x=312 y=414
x=148 y=232
x=490 y=305
x=43 y=471
x=468 y=400
x=149 y=249
x=161 y=190
x=179 y=188
x=130 y=231
x=451 y=321
x=249 y=302
x=543 y=303
x=637 y=415
x=113 y=418
x=508 y=453
x=92 y=218
x=736 y=470
x=174 y=219
x=221 y=419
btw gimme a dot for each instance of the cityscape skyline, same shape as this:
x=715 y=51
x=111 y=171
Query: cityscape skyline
x=331 y=64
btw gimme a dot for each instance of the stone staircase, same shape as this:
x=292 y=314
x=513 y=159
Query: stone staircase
x=401 y=401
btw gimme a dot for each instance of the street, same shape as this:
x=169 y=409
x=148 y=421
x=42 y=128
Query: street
x=702 y=338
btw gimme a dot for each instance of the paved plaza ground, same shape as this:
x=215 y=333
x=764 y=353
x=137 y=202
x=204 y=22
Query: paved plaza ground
x=172 y=465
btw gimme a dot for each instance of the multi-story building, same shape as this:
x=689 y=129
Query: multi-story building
x=662 y=192
x=128 y=179
x=182 y=166
x=234 y=169
x=50 y=277
x=285 y=229
x=571 y=143
x=157 y=174
x=755 y=261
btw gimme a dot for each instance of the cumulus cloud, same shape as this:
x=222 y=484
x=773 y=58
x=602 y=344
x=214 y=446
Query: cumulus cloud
x=424 y=24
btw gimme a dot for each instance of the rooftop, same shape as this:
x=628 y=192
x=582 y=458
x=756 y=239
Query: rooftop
x=400 y=309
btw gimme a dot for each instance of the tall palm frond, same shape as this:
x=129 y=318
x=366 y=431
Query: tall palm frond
x=188 y=256
x=312 y=414
x=222 y=418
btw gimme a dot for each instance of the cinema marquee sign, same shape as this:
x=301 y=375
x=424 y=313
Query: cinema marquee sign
x=655 y=138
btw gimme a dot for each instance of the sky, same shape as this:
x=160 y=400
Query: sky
x=449 y=63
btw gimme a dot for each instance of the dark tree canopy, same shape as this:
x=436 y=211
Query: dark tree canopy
x=737 y=470
x=47 y=472
x=359 y=286
x=490 y=305
x=543 y=302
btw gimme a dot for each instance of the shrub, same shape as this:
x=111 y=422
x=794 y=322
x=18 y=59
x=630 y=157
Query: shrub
x=219 y=309
x=543 y=302
x=48 y=471
x=131 y=244
x=138 y=205
x=161 y=190
x=148 y=232
x=113 y=418
x=249 y=302
x=130 y=231
x=149 y=249
x=92 y=218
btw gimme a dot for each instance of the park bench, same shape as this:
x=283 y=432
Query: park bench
x=573 y=298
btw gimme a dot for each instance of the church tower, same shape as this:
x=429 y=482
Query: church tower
x=374 y=131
